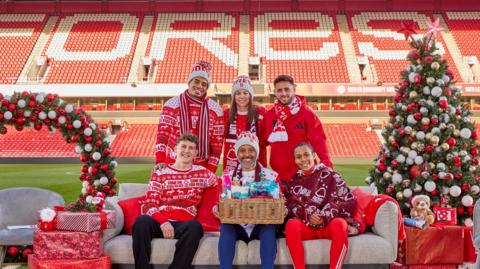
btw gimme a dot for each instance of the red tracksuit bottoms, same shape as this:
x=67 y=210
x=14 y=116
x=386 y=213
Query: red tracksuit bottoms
x=296 y=231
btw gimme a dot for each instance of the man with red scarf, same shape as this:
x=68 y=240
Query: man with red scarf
x=192 y=112
x=287 y=124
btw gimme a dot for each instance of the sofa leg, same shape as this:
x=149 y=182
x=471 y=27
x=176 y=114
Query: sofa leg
x=3 y=251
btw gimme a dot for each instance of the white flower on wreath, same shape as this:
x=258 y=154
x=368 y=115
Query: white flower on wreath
x=47 y=214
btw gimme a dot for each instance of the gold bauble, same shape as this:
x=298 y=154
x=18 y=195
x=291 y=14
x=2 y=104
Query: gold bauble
x=445 y=146
x=391 y=139
x=425 y=121
x=456 y=133
x=387 y=176
x=413 y=95
x=399 y=196
x=434 y=140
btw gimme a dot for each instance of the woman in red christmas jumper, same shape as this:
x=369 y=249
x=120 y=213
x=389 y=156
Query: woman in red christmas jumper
x=319 y=205
x=243 y=115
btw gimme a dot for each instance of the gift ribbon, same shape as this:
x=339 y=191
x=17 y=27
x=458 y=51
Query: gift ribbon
x=103 y=220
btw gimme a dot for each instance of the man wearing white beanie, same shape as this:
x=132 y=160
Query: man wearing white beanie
x=192 y=112
x=248 y=170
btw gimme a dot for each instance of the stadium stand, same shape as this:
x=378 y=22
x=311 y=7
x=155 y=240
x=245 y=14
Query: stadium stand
x=18 y=35
x=375 y=36
x=138 y=141
x=32 y=143
x=92 y=48
x=351 y=140
x=186 y=38
x=311 y=53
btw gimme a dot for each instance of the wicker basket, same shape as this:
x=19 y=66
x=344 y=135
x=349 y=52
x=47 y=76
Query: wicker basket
x=252 y=211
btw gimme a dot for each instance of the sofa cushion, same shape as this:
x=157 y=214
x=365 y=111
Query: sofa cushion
x=120 y=250
x=363 y=200
x=366 y=248
x=205 y=216
x=131 y=210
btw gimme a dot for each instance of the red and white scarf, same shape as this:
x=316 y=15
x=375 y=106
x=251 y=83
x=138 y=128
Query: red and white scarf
x=186 y=121
x=283 y=112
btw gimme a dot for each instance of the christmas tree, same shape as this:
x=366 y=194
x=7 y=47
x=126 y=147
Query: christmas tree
x=430 y=140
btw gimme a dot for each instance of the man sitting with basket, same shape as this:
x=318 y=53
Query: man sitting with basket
x=249 y=180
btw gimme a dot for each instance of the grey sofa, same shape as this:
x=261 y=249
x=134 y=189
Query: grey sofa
x=19 y=206
x=476 y=230
x=376 y=249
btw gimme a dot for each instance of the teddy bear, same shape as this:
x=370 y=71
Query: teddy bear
x=421 y=209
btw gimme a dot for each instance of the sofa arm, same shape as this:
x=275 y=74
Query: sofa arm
x=386 y=224
x=111 y=203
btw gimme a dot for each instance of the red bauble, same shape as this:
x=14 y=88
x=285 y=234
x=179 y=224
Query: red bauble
x=429 y=149
x=106 y=152
x=451 y=141
x=47 y=121
x=50 y=97
x=83 y=158
x=449 y=73
x=465 y=187
x=448 y=91
x=415 y=54
x=443 y=104
x=112 y=192
x=435 y=177
x=26 y=252
x=93 y=171
x=434 y=121
x=418 y=79
x=389 y=190
x=3 y=130
x=31 y=104
x=19 y=112
x=395 y=144
x=414 y=172
x=428 y=59
x=382 y=167
x=20 y=121
x=474 y=134
x=106 y=188
x=474 y=151
x=69 y=127
x=61 y=112
x=84 y=168
x=460 y=210
x=98 y=143
x=417 y=116
x=88 y=139
x=411 y=107
x=434 y=192
x=13 y=252
x=459 y=176
x=4 y=102
x=74 y=138
x=11 y=107
x=394 y=163
x=113 y=181
x=19 y=128
x=1 y=116
x=470 y=210
x=97 y=165
x=475 y=161
x=448 y=177
x=104 y=167
x=38 y=126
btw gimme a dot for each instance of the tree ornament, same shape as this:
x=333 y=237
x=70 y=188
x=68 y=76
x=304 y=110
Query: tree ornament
x=96 y=156
x=465 y=133
x=430 y=81
x=399 y=196
x=455 y=191
x=430 y=186
x=435 y=65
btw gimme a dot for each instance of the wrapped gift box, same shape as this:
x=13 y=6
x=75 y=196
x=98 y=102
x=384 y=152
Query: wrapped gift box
x=102 y=262
x=445 y=215
x=85 y=221
x=434 y=245
x=469 y=249
x=67 y=245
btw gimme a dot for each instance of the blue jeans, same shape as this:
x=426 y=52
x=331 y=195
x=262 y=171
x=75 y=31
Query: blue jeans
x=230 y=233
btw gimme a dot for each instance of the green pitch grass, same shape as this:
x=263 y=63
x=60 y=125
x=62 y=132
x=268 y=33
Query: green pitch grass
x=63 y=178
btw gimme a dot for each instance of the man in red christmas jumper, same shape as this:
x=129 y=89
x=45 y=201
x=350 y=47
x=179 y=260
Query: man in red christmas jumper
x=192 y=112
x=288 y=123
x=170 y=207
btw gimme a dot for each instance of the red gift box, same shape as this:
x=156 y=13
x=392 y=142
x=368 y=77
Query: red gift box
x=434 y=245
x=67 y=245
x=100 y=263
x=469 y=249
x=445 y=215
x=397 y=265
x=85 y=221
